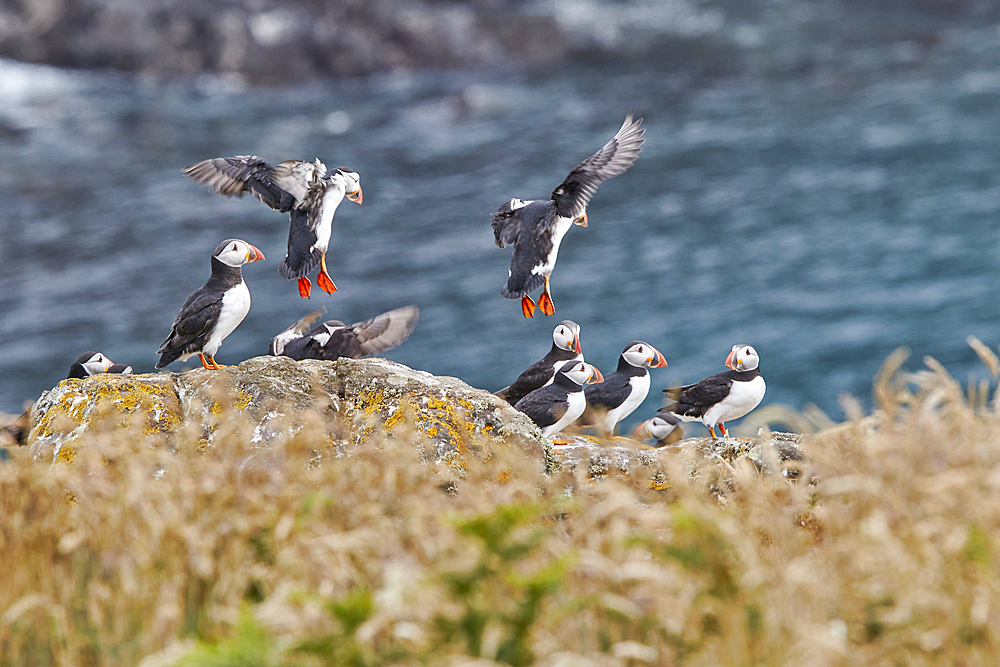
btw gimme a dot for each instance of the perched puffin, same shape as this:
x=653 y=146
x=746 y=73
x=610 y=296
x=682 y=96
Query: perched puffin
x=333 y=339
x=536 y=228
x=663 y=428
x=622 y=391
x=555 y=406
x=89 y=363
x=121 y=369
x=565 y=346
x=215 y=310
x=720 y=398
x=303 y=189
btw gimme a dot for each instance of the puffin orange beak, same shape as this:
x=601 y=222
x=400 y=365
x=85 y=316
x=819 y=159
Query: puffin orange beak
x=640 y=432
x=660 y=360
x=255 y=254
x=582 y=220
x=596 y=377
x=356 y=196
x=576 y=345
x=729 y=360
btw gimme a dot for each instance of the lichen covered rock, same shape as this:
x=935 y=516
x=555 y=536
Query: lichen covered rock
x=356 y=399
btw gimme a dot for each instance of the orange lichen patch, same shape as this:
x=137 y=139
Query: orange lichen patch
x=104 y=402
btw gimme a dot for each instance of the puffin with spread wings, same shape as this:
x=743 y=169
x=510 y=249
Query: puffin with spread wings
x=536 y=228
x=305 y=190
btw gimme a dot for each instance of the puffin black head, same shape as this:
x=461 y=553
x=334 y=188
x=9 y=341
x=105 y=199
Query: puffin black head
x=566 y=336
x=235 y=252
x=352 y=188
x=639 y=354
x=121 y=369
x=742 y=358
x=89 y=363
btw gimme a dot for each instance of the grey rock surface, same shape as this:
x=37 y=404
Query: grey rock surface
x=273 y=397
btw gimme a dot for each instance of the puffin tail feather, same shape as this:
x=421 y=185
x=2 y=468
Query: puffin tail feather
x=517 y=287
x=299 y=266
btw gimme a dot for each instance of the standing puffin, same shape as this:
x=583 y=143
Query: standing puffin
x=663 y=428
x=333 y=339
x=303 y=189
x=622 y=391
x=536 y=228
x=89 y=363
x=555 y=406
x=214 y=310
x=565 y=346
x=720 y=398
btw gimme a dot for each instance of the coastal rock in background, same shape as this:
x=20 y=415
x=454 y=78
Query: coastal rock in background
x=274 y=43
x=703 y=457
x=352 y=398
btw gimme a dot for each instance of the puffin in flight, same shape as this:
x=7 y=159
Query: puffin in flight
x=536 y=228
x=305 y=190
x=622 y=391
x=663 y=427
x=333 y=339
x=565 y=346
x=214 y=310
x=555 y=406
x=722 y=397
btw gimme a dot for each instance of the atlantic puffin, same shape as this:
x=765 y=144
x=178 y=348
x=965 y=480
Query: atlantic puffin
x=722 y=397
x=305 y=190
x=555 y=406
x=89 y=363
x=120 y=369
x=333 y=339
x=536 y=228
x=663 y=427
x=565 y=346
x=214 y=310
x=625 y=389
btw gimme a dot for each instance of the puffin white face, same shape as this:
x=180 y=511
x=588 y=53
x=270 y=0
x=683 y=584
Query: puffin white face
x=643 y=354
x=235 y=252
x=581 y=373
x=743 y=358
x=566 y=336
x=659 y=428
x=352 y=184
x=97 y=363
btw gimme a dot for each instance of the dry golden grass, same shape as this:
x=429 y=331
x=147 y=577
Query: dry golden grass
x=233 y=555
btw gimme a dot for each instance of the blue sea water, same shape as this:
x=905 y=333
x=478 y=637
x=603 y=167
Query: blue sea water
x=826 y=214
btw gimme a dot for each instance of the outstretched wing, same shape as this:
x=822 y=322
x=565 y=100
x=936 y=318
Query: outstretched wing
x=235 y=176
x=380 y=333
x=297 y=330
x=573 y=195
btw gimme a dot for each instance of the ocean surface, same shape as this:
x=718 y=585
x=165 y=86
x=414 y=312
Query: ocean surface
x=826 y=212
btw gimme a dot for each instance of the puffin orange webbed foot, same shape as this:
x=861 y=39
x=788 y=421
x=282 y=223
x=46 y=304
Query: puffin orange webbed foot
x=305 y=287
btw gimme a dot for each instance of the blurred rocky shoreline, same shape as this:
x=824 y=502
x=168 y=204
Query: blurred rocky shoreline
x=263 y=42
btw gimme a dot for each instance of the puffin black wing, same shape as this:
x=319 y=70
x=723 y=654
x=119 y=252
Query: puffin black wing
x=611 y=393
x=303 y=256
x=380 y=333
x=507 y=222
x=235 y=176
x=573 y=194
x=694 y=400
x=536 y=375
x=542 y=406
x=195 y=321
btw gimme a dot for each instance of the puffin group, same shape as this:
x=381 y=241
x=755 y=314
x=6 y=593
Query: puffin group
x=556 y=392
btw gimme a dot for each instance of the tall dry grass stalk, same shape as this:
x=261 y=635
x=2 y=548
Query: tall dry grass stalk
x=884 y=552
